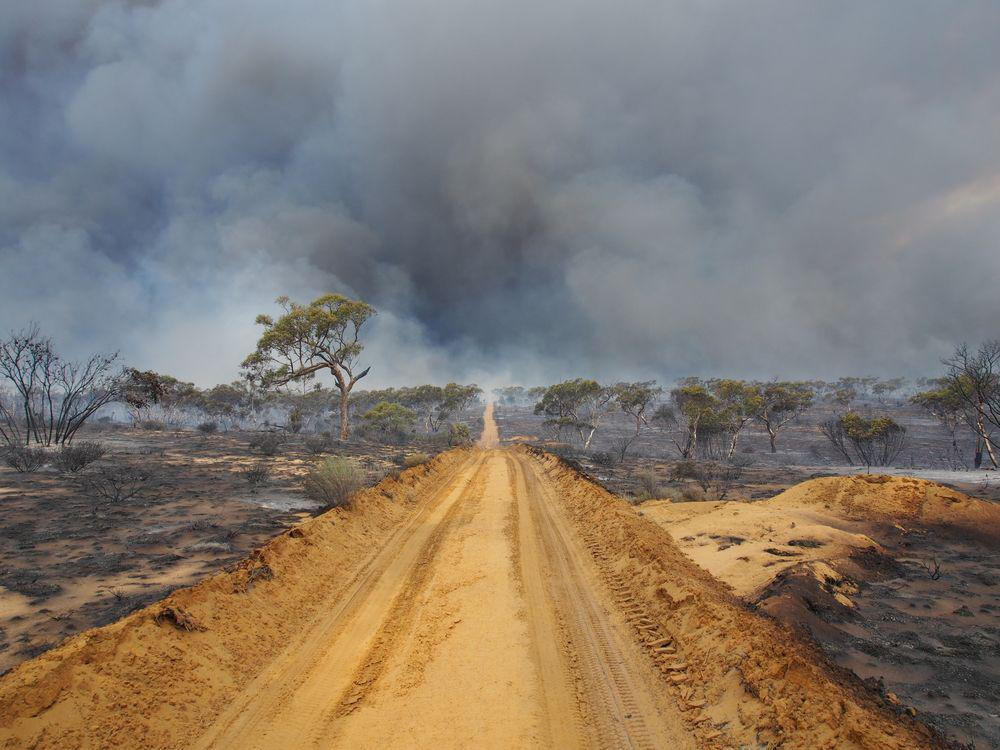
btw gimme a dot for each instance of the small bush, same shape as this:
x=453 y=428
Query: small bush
x=686 y=469
x=72 y=458
x=317 y=444
x=257 y=474
x=115 y=484
x=153 y=424
x=603 y=459
x=648 y=485
x=24 y=459
x=207 y=428
x=332 y=482
x=296 y=419
x=692 y=494
x=268 y=443
x=415 y=459
x=458 y=434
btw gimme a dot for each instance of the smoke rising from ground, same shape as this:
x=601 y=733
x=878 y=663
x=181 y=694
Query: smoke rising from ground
x=524 y=191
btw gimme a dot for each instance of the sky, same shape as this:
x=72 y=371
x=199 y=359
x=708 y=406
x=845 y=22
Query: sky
x=526 y=191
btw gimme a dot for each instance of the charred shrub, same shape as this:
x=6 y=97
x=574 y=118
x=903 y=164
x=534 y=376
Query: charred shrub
x=332 y=482
x=73 y=458
x=207 y=428
x=415 y=459
x=647 y=485
x=115 y=484
x=257 y=474
x=267 y=443
x=317 y=444
x=24 y=458
x=603 y=459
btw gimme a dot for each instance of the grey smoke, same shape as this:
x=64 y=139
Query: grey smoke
x=525 y=190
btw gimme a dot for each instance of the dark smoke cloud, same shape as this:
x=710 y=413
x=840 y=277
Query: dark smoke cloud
x=526 y=191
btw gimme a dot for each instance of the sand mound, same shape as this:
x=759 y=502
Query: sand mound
x=747 y=545
x=895 y=500
x=157 y=677
x=738 y=663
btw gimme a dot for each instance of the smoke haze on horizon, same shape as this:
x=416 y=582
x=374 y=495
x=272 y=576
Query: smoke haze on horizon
x=525 y=192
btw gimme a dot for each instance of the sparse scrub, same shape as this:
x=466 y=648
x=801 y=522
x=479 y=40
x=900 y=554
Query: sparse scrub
x=73 y=458
x=647 y=485
x=25 y=459
x=115 y=484
x=153 y=425
x=415 y=459
x=257 y=474
x=389 y=422
x=332 y=482
x=317 y=444
x=207 y=428
x=715 y=477
x=692 y=494
x=267 y=443
x=603 y=459
x=458 y=434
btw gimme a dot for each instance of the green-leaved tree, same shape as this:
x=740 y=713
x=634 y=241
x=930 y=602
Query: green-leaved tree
x=307 y=339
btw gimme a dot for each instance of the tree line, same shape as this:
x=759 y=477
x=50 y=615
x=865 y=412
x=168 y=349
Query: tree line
x=707 y=417
x=45 y=399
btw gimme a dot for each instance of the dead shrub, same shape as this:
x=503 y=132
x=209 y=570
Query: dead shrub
x=259 y=573
x=179 y=617
x=692 y=494
x=268 y=443
x=603 y=459
x=317 y=444
x=415 y=459
x=24 y=458
x=332 y=482
x=73 y=458
x=207 y=428
x=115 y=484
x=257 y=474
x=647 y=485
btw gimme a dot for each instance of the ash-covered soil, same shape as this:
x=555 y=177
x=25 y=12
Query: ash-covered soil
x=71 y=561
x=898 y=579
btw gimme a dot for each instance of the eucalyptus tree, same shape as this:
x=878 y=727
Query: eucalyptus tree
x=324 y=335
x=634 y=400
x=778 y=403
x=579 y=405
x=695 y=404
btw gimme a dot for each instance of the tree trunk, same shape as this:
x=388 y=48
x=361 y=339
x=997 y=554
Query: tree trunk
x=771 y=435
x=343 y=412
x=732 y=445
x=989 y=450
x=985 y=439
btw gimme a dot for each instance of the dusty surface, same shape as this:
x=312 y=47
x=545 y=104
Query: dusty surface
x=852 y=560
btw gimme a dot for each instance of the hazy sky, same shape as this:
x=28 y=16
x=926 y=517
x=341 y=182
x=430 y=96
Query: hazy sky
x=525 y=190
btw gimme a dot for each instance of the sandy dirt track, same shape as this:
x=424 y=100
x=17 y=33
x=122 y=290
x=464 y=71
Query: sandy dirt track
x=492 y=598
x=460 y=635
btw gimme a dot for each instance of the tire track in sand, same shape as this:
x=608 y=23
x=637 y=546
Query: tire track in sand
x=285 y=704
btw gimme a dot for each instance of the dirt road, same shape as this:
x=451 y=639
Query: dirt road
x=481 y=626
